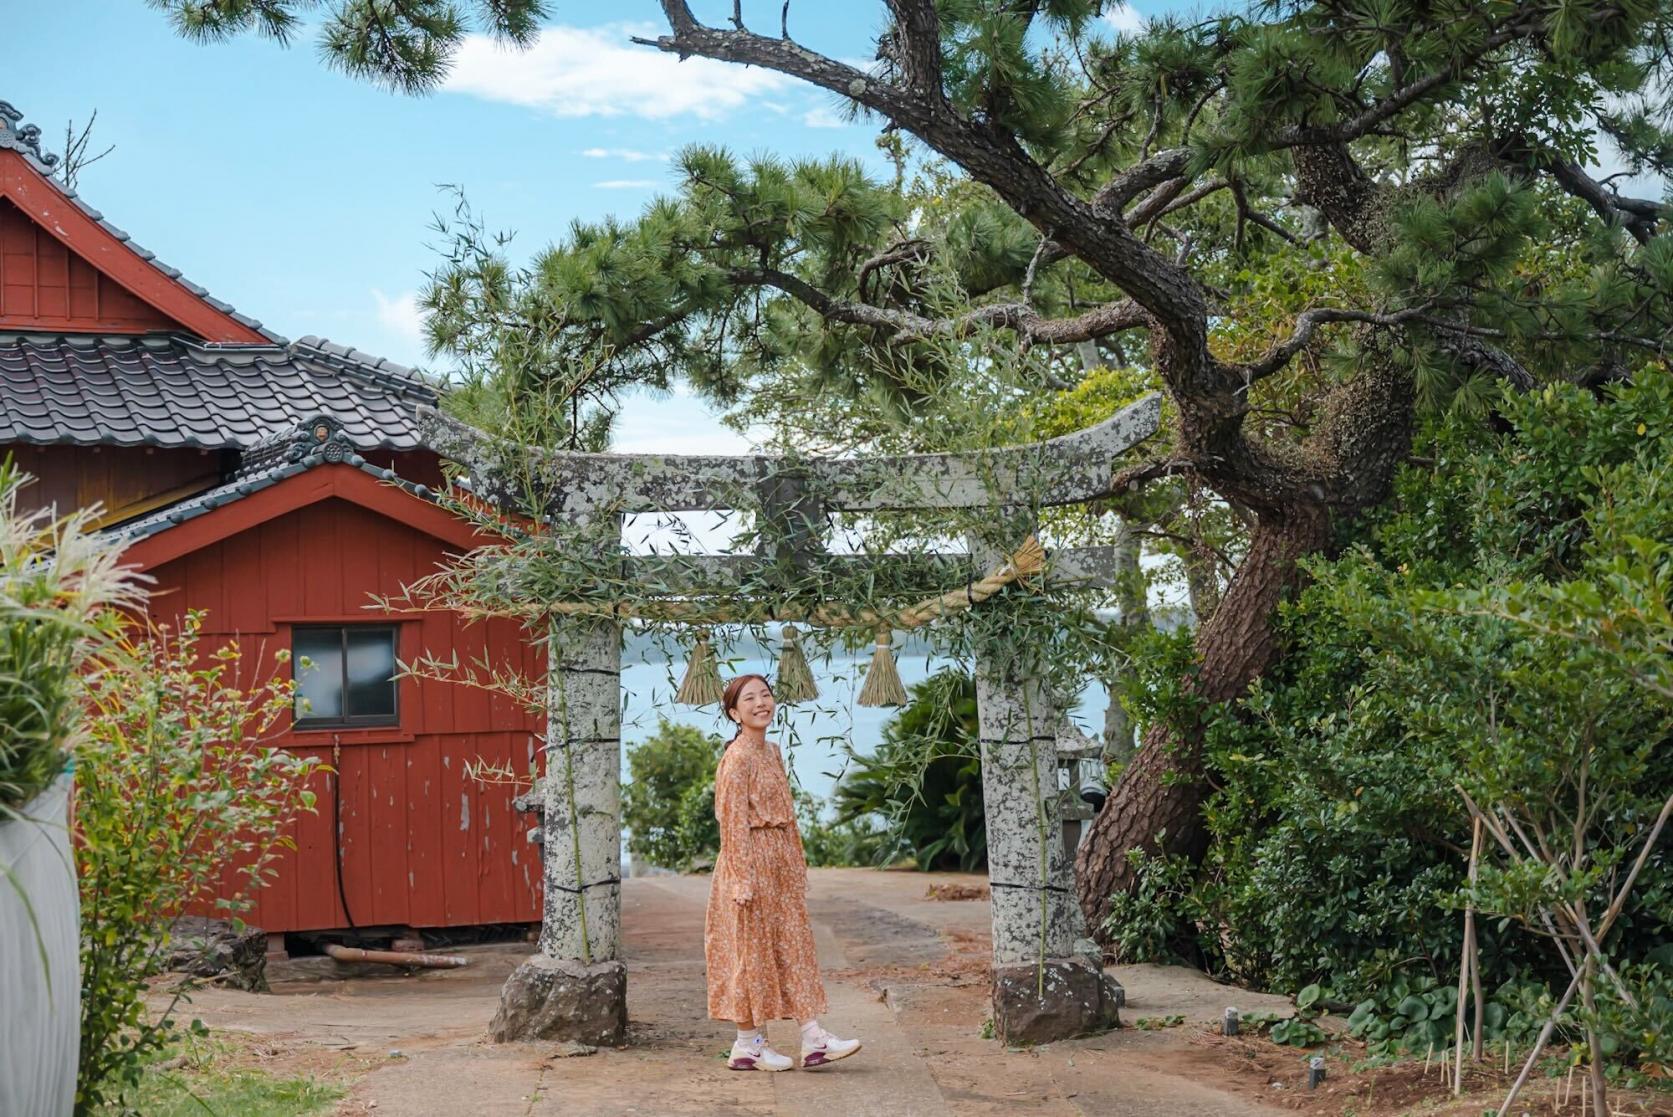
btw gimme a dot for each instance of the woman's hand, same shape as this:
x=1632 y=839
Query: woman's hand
x=742 y=898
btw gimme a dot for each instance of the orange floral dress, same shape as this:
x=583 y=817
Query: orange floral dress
x=759 y=954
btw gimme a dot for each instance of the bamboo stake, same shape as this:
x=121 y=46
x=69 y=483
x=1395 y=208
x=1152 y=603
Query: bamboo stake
x=1540 y=1041
x=1464 y=968
x=1474 y=948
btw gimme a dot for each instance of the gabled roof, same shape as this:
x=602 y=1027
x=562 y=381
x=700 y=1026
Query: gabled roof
x=27 y=180
x=303 y=465
x=75 y=389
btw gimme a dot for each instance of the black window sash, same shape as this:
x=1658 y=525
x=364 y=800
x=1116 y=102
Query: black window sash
x=348 y=718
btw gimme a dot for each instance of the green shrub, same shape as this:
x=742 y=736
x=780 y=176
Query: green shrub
x=668 y=803
x=176 y=797
x=1338 y=838
x=925 y=780
x=837 y=842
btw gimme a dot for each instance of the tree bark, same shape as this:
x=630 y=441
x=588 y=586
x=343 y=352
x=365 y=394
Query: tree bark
x=1157 y=805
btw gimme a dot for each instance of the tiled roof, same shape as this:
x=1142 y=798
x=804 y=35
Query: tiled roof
x=172 y=391
x=306 y=445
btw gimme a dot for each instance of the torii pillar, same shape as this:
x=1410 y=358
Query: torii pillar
x=1042 y=989
x=575 y=988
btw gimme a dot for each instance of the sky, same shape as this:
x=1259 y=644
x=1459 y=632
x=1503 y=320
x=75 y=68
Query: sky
x=305 y=198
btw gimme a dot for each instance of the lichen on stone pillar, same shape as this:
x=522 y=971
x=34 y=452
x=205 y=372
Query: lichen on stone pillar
x=575 y=989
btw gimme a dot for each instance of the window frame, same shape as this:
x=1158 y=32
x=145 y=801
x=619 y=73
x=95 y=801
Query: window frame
x=348 y=721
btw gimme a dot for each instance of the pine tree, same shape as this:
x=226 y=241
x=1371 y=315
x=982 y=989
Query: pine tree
x=1168 y=197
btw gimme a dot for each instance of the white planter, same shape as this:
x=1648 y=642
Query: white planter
x=40 y=1023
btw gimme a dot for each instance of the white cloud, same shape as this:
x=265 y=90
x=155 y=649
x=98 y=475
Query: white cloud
x=625 y=154
x=401 y=315
x=823 y=117
x=626 y=184
x=678 y=423
x=1124 y=19
x=595 y=71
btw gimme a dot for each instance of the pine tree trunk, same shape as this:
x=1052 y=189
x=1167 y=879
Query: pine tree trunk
x=1156 y=806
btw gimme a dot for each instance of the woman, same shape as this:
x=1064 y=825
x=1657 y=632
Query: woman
x=757 y=941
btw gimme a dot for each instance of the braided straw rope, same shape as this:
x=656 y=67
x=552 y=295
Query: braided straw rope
x=1026 y=561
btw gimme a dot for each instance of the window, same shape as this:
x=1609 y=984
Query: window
x=349 y=678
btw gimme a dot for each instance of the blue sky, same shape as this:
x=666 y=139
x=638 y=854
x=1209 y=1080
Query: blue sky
x=304 y=197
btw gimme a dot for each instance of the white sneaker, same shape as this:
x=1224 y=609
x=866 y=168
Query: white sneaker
x=756 y=1055
x=826 y=1048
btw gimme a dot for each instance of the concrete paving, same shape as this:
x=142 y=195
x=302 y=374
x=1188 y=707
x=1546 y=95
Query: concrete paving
x=905 y=973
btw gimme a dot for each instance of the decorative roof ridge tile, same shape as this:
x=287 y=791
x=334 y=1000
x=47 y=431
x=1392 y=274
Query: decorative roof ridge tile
x=244 y=484
x=25 y=139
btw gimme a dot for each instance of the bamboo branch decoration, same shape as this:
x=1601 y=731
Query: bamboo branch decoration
x=1026 y=561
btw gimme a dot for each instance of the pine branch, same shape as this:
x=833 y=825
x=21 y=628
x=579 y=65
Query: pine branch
x=1306 y=325
x=1638 y=216
x=985 y=150
x=1138 y=476
x=908 y=327
x=1523 y=25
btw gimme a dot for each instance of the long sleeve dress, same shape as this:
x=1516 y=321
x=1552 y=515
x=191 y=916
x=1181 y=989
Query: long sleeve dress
x=759 y=954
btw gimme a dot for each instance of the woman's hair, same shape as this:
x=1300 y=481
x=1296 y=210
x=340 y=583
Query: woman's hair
x=729 y=698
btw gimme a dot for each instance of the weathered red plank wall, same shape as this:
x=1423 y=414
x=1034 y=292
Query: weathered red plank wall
x=43 y=285
x=423 y=844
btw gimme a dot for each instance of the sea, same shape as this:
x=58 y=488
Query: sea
x=818 y=738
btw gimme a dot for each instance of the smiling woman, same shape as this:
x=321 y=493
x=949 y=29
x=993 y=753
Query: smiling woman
x=757 y=938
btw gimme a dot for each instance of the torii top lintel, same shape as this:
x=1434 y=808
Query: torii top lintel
x=1070 y=469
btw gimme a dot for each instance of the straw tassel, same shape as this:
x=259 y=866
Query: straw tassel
x=701 y=685
x=795 y=680
x=882 y=686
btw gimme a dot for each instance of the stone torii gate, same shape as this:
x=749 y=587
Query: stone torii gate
x=575 y=988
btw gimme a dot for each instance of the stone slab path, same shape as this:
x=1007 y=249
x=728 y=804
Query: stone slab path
x=905 y=973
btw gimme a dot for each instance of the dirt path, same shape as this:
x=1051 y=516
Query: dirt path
x=905 y=973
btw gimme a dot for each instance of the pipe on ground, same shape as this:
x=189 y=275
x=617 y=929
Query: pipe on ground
x=396 y=957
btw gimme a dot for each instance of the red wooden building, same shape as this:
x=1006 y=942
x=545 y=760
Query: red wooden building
x=277 y=485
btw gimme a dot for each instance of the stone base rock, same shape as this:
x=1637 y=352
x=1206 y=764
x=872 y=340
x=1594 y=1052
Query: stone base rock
x=553 y=998
x=215 y=948
x=1076 y=997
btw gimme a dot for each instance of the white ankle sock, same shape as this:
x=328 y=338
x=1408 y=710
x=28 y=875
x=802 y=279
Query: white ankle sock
x=810 y=1031
x=750 y=1036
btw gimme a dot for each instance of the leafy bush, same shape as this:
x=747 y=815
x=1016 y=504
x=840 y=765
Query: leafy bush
x=668 y=803
x=838 y=842
x=176 y=798
x=925 y=780
x=59 y=596
x=1339 y=839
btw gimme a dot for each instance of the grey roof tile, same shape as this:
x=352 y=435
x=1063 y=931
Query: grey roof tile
x=172 y=391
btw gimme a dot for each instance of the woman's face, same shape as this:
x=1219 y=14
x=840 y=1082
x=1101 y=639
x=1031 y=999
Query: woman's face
x=755 y=706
